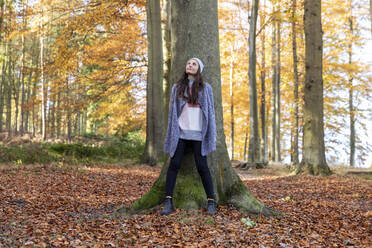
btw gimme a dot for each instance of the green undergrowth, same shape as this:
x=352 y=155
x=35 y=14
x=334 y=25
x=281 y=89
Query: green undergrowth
x=86 y=151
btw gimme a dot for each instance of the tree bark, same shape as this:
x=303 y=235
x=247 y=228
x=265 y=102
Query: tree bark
x=314 y=151
x=245 y=144
x=58 y=114
x=277 y=156
x=154 y=118
x=296 y=83
x=263 y=90
x=166 y=29
x=9 y=91
x=254 y=136
x=2 y=93
x=232 y=101
x=273 y=94
x=69 y=111
x=43 y=88
x=351 y=89
x=16 y=91
x=195 y=34
x=21 y=129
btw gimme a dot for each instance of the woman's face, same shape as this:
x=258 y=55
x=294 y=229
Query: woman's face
x=192 y=67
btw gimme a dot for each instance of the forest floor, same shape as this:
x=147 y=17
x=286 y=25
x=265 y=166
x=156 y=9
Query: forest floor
x=51 y=206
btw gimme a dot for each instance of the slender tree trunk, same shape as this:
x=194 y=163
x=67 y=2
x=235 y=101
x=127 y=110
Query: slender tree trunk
x=2 y=94
x=232 y=101
x=166 y=35
x=277 y=156
x=200 y=39
x=273 y=94
x=9 y=92
x=52 y=116
x=21 y=129
x=23 y=96
x=314 y=152
x=296 y=83
x=154 y=118
x=58 y=115
x=254 y=137
x=263 y=89
x=34 y=60
x=69 y=111
x=351 y=89
x=245 y=144
x=43 y=88
x=85 y=114
x=27 y=98
x=34 y=114
x=16 y=89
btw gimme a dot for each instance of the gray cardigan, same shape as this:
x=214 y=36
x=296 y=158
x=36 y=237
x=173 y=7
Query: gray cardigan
x=209 y=123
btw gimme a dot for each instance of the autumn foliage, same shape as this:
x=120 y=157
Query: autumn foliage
x=63 y=207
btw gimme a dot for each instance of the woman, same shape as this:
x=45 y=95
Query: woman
x=191 y=122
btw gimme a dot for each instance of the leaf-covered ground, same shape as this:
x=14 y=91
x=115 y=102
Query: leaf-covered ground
x=59 y=207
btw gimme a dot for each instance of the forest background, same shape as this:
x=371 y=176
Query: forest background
x=80 y=67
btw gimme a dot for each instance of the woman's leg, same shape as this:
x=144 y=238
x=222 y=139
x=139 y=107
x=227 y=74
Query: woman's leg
x=202 y=166
x=174 y=167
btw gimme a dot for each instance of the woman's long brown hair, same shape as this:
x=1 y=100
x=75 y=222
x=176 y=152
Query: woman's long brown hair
x=183 y=84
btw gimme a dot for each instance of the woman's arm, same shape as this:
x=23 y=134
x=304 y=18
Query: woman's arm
x=168 y=134
x=212 y=118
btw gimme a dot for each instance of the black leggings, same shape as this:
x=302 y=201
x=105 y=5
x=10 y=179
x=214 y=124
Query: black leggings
x=201 y=165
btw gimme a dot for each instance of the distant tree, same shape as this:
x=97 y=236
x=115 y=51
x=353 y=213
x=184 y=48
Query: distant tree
x=295 y=128
x=263 y=86
x=351 y=87
x=254 y=136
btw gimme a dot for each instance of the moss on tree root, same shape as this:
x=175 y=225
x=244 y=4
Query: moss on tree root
x=240 y=197
x=189 y=192
x=313 y=169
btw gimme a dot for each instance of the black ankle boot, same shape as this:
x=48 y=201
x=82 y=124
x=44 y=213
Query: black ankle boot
x=211 y=209
x=168 y=207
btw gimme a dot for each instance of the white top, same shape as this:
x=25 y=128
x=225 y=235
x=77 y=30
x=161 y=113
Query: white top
x=191 y=120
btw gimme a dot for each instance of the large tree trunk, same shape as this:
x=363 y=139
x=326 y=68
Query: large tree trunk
x=154 y=118
x=314 y=153
x=254 y=136
x=351 y=89
x=195 y=34
x=296 y=83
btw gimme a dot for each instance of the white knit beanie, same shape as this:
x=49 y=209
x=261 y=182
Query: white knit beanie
x=201 y=65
